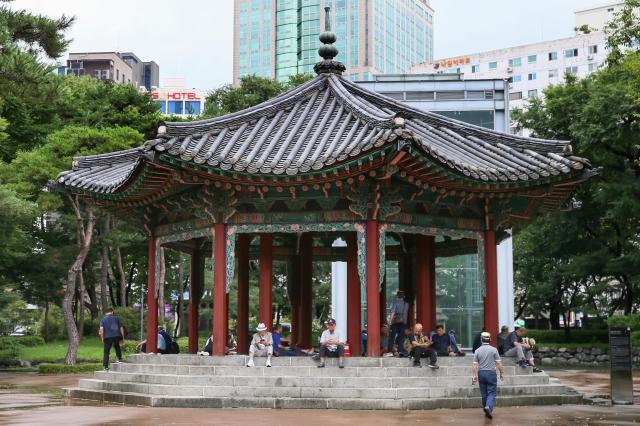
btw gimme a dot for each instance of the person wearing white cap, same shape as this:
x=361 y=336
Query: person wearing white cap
x=485 y=362
x=261 y=345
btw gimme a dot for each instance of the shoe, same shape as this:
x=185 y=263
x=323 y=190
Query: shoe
x=105 y=369
x=523 y=364
x=417 y=364
x=268 y=364
x=340 y=365
x=434 y=366
x=536 y=370
x=388 y=354
x=487 y=413
x=315 y=357
x=250 y=363
x=321 y=365
x=118 y=361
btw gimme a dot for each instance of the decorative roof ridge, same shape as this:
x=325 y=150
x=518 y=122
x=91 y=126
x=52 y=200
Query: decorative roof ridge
x=172 y=126
x=107 y=158
x=357 y=106
x=459 y=125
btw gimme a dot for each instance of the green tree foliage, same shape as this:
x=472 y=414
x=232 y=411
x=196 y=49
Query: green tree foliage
x=597 y=245
x=252 y=91
x=623 y=32
x=26 y=83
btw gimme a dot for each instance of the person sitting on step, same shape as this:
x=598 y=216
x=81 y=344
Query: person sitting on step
x=421 y=347
x=517 y=347
x=261 y=345
x=331 y=344
x=441 y=342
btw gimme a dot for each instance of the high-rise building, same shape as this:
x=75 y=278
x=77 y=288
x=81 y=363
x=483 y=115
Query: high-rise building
x=279 y=38
x=531 y=68
x=122 y=68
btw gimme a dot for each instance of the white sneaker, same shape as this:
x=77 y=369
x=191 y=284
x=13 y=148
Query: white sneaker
x=250 y=363
x=268 y=364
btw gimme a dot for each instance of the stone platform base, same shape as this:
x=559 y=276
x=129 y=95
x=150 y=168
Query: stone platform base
x=296 y=382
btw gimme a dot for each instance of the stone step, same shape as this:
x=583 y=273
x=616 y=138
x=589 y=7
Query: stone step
x=241 y=360
x=132 y=398
x=313 y=392
x=325 y=382
x=306 y=371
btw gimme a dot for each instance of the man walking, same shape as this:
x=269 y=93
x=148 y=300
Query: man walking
x=485 y=361
x=398 y=321
x=111 y=332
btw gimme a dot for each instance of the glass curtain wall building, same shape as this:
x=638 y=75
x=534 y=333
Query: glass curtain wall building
x=279 y=38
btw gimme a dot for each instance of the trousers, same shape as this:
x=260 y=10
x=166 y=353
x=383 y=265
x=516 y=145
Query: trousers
x=488 y=381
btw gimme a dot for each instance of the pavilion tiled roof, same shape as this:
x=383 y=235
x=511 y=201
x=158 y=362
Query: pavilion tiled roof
x=324 y=121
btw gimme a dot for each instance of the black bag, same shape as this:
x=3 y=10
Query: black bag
x=175 y=349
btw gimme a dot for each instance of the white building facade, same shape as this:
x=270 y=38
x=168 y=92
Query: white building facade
x=174 y=97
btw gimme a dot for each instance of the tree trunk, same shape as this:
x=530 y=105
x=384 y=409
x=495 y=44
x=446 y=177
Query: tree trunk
x=130 y=281
x=46 y=320
x=161 y=277
x=628 y=301
x=104 y=268
x=72 y=275
x=123 y=279
x=179 y=323
x=81 y=304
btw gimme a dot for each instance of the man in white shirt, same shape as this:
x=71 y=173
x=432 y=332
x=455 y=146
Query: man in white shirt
x=331 y=344
x=261 y=345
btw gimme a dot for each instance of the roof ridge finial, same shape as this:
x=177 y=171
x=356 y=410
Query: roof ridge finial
x=328 y=51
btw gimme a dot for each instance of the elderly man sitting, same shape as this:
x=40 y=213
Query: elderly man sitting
x=331 y=344
x=261 y=345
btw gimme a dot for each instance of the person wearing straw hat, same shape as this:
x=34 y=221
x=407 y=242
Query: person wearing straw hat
x=485 y=362
x=261 y=345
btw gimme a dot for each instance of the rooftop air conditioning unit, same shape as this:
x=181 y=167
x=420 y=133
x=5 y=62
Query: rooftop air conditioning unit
x=509 y=69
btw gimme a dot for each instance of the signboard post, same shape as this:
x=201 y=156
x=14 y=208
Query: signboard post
x=620 y=358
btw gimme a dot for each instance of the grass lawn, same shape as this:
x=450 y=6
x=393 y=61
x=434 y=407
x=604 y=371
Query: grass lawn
x=90 y=349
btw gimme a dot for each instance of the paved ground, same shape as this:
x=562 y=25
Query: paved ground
x=30 y=399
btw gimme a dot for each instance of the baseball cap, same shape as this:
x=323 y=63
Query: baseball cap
x=331 y=321
x=485 y=335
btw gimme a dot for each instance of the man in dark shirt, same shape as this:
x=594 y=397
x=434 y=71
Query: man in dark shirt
x=421 y=347
x=111 y=332
x=441 y=342
x=518 y=348
x=503 y=341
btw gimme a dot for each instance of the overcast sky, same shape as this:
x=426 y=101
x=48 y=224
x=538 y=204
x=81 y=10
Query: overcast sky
x=194 y=38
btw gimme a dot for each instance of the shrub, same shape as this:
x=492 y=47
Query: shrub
x=57 y=329
x=632 y=321
x=635 y=339
x=575 y=336
x=28 y=341
x=129 y=347
x=130 y=319
x=10 y=349
x=68 y=369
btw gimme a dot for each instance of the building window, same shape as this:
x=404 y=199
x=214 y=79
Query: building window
x=593 y=66
x=493 y=65
x=192 y=107
x=553 y=56
x=117 y=74
x=175 y=107
x=571 y=53
x=161 y=106
x=475 y=69
x=514 y=96
x=533 y=93
x=593 y=49
x=610 y=9
x=531 y=76
x=553 y=73
x=532 y=59
x=571 y=70
x=515 y=62
x=516 y=78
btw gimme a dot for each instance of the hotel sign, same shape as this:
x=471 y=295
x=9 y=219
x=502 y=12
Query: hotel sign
x=176 y=96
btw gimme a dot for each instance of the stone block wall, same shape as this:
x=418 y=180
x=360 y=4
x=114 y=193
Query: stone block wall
x=576 y=357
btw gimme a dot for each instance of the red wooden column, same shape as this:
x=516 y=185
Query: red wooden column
x=373 y=289
x=195 y=287
x=265 y=314
x=152 y=302
x=305 y=314
x=353 y=295
x=491 y=275
x=407 y=287
x=426 y=282
x=220 y=323
x=243 y=294
x=383 y=302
